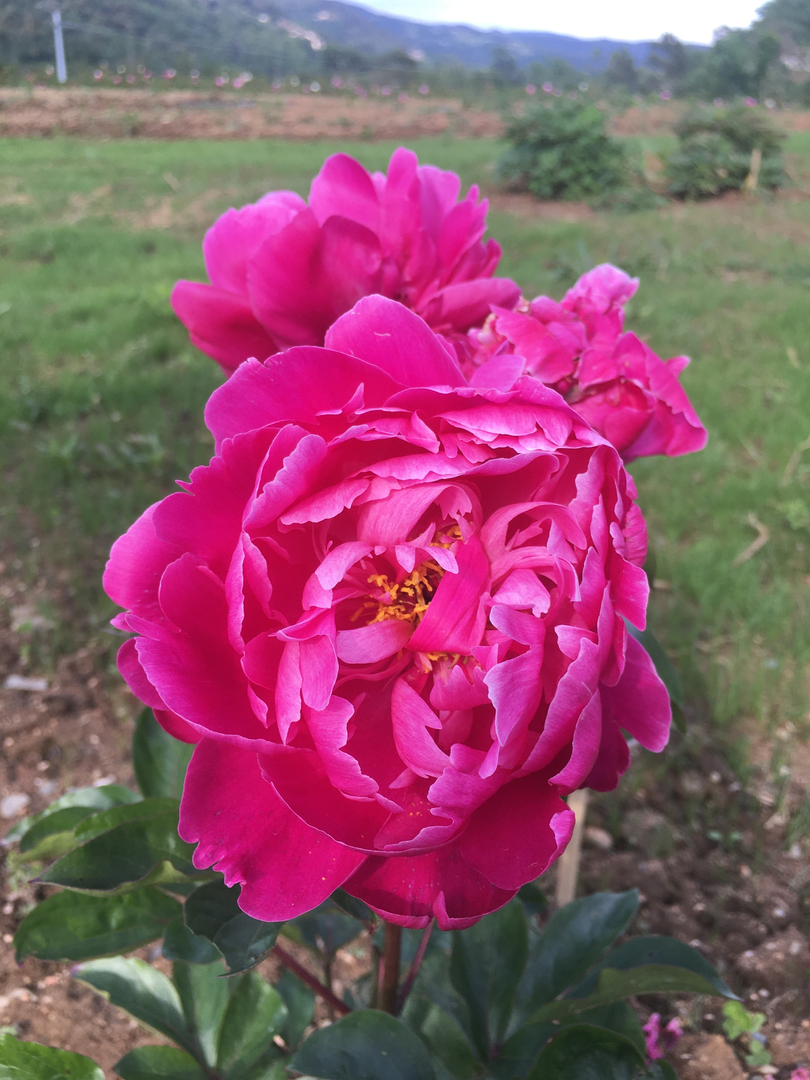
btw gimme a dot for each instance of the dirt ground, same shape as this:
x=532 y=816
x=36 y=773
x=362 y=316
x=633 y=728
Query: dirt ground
x=198 y=114
x=742 y=898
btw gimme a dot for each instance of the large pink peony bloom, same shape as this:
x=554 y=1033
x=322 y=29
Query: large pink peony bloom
x=612 y=379
x=282 y=272
x=390 y=612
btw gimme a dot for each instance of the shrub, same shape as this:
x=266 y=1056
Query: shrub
x=715 y=152
x=561 y=151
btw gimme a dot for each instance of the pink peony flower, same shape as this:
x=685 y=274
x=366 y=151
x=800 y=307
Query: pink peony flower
x=660 y=1040
x=612 y=379
x=282 y=272
x=390 y=612
x=800 y=1074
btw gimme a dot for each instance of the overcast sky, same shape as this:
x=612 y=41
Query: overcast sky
x=622 y=20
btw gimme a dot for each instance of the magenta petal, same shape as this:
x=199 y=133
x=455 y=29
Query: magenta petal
x=136 y=563
x=234 y=237
x=343 y=188
x=413 y=720
x=639 y=702
x=386 y=334
x=611 y=761
x=369 y=644
x=246 y=832
x=296 y=385
x=518 y=832
x=410 y=891
x=468 y=303
x=455 y=619
x=221 y=324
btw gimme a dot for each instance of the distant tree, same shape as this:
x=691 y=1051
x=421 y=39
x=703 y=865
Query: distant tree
x=621 y=71
x=790 y=17
x=670 y=57
x=338 y=60
x=399 y=60
x=737 y=65
x=503 y=65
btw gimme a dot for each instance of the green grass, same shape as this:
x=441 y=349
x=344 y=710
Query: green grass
x=101 y=394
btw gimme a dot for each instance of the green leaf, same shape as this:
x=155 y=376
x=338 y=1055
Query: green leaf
x=300 y=1002
x=532 y=898
x=31 y=1061
x=180 y=943
x=212 y=911
x=665 y=668
x=326 y=928
x=434 y=985
x=52 y=827
x=160 y=762
x=159 y=1063
x=654 y=965
x=68 y=926
x=659 y=1070
x=92 y=798
x=255 y=1014
x=574 y=938
x=204 y=998
x=352 y=906
x=485 y=968
x=443 y=1038
x=366 y=1045
x=739 y=1021
x=656 y=951
x=104 y=820
x=582 y=1052
x=143 y=991
x=268 y=1067
x=126 y=853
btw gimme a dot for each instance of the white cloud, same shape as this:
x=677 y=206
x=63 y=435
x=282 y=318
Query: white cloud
x=623 y=20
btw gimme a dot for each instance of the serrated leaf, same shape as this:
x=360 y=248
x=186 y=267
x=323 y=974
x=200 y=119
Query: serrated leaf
x=204 y=998
x=485 y=968
x=93 y=798
x=582 y=1052
x=365 y=1045
x=254 y=1015
x=159 y=1063
x=160 y=762
x=32 y=1061
x=180 y=943
x=68 y=926
x=126 y=853
x=574 y=938
x=141 y=990
x=213 y=911
x=300 y=1002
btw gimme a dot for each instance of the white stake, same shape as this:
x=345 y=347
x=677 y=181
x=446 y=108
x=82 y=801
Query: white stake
x=59 y=46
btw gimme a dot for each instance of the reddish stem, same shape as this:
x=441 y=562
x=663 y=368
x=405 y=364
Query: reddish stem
x=413 y=970
x=313 y=983
x=389 y=978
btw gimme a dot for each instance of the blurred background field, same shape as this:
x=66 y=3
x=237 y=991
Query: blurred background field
x=102 y=394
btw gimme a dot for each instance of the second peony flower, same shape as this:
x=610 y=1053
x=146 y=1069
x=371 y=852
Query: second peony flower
x=282 y=271
x=391 y=613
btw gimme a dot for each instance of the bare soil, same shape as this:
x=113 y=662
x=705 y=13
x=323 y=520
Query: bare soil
x=92 y=112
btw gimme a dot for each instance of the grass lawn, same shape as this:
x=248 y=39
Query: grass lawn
x=101 y=394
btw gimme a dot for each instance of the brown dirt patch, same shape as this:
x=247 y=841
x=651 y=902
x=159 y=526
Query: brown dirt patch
x=192 y=114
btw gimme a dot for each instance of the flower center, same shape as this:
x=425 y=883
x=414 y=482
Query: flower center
x=404 y=600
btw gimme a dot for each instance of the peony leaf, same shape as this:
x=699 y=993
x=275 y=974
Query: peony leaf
x=213 y=912
x=574 y=938
x=583 y=1052
x=143 y=991
x=31 y=1061
x=365 y=1045
x=329 y=925
x=180 y=943
x=160 y=762
x=159 y=1063
x=204 y=996
x=300 y=1002
x=485 y=968
x=69 y=926
x=135 y=840
x=91 y=799
x=255 y=1013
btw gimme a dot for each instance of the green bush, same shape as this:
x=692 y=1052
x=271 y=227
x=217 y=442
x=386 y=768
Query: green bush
x=561 y=151
x=715 y=152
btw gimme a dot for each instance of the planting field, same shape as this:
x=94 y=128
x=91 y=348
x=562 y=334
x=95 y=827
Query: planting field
x=101 y=400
